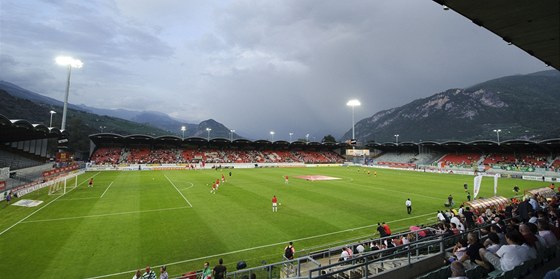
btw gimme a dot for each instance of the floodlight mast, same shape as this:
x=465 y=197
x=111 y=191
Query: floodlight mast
x=71 y=63
x=353 y=103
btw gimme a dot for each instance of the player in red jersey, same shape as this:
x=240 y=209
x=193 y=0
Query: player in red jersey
x=274 y=204
x=286 y=179
x=90 y=183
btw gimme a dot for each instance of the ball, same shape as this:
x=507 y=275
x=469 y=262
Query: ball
x=280 y=203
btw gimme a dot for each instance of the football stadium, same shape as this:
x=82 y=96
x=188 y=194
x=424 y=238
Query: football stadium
x=196 y=207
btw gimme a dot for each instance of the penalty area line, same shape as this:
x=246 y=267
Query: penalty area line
x=106 y=189
x=178 y=190
x=39 y=209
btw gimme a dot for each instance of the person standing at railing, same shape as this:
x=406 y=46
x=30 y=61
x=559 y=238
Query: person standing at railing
x=289 y=251
x=206 y=271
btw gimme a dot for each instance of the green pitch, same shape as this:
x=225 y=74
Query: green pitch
x=132 y=219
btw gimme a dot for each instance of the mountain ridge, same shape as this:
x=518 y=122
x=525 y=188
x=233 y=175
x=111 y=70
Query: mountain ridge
x=521 y=106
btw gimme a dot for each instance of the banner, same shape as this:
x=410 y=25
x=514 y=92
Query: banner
x=477 y=181
x=496 y=176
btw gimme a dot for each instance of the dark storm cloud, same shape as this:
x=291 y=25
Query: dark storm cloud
x=256 y=66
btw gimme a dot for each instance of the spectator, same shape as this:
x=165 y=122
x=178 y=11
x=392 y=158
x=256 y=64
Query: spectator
x=387 y=229
x=344 y=255
x=508 y=256
x=220 y=270
x=206 y=271
x=289 y=251
x=381 y=230
x=544 y=231
x=459 y=250
x=149 y=274
x=163 y=273
x=472 y=253
x=457 y=271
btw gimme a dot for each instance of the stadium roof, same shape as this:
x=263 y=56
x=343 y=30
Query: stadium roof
x=521 y=145
x=13 y=130
x=533 y=26
x=110 y=138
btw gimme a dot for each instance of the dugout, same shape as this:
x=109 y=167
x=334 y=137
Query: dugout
x=481 y=204
x=545 y=192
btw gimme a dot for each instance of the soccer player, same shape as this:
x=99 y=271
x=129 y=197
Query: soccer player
x=90 y=183
x=274 y=204
x=214 y=188
x=516 y=189
x=286 y=179
x=217 y=183
x=223 y=178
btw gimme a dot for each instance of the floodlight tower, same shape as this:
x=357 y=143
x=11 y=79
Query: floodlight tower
x=183 y=129
x=498 y=135
x=51 y=112
x=231 y=134
x=71 y=63
x=208 y=130
x=353 y=103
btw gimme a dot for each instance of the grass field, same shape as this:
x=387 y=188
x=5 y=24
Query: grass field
x=132 y=219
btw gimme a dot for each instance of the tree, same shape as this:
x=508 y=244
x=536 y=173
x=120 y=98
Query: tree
x=329 y=138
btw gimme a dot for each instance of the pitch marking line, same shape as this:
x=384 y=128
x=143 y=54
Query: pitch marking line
x=103 y=215
x=74 y=199
x=106 y=189
x=252 y=248
x=192 y=185
x=177 y=190
x=32 y=213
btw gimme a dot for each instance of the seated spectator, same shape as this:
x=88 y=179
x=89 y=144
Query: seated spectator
x=344 y=255
x=459 y=250
x=544 y=231
x=508 y=256
x=458 y=271
x=472 y=253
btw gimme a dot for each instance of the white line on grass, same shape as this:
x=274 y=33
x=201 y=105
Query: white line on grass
x=32 y=213
x=106 y=189
x=252 y=248
x=177 y=190
x=103 y=215
x=192 y=185
x=74 y=199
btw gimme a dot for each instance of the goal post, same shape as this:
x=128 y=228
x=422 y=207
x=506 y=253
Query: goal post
x=62 y=184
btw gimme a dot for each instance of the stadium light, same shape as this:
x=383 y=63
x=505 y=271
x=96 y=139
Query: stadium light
x=183 y=129
x=353 y=103
x=71 y=63
x=208 y=130
x=397 y=139
x=272 y=136
x=498 y=135
x=231 y=135
x=291 y=134
x=102 y=128
x=51 y=112
x=307 y=138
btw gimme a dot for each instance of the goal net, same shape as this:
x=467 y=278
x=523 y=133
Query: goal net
x=61 y=184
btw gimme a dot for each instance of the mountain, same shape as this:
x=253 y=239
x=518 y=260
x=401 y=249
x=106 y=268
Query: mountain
x=22 y=93
x=154 y=118
x=521 y=106
x=160 y=123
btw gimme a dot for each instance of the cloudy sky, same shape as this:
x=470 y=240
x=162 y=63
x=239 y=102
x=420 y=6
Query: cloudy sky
x=254 y=65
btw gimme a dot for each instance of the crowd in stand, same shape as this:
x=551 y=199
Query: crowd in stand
x=503 y=160
x=517 y=233
x=114 y=156
x=497 y=238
